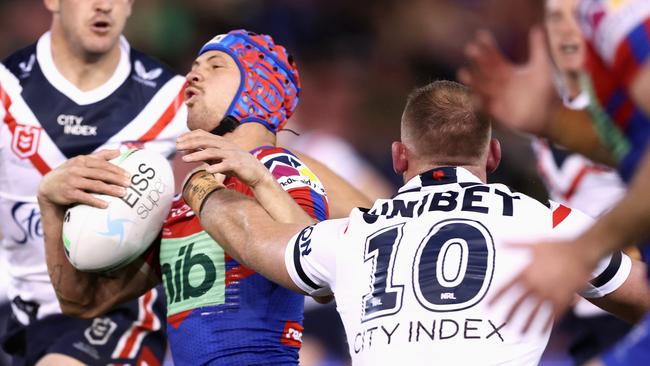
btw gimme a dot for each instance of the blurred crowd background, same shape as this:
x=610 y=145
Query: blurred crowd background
x=358 y=59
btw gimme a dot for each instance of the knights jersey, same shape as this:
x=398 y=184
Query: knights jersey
x=220 y=312
x=618 y=37
x=414 y=274
x=45 y=120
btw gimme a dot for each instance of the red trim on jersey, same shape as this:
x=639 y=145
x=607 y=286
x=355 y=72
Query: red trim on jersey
x=145 y=325
x=263 y=152
x=624 y=64
x=559 y=214
x=236 y=273
x=176 y=319
x=166 y=118
x=302 y=196
x=577 y=180
x=147 y=358
x=10 y=121
x=625 y=111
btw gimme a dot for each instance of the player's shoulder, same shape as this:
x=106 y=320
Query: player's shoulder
x=526 y=203
x=149 y=71
x=567 y=221
x=21 y=62
x=279 y=160
x=288 y=169
x=266 y=153
x=326 y=230
x=607 y=23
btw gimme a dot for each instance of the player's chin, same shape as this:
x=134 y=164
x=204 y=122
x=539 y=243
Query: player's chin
x=99 y=44
x=196 y=119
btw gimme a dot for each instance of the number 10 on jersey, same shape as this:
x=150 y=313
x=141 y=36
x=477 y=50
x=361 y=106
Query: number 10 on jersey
x=452 y=268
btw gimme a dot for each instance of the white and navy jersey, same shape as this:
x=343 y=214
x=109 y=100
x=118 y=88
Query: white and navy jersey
x=572 y=179
x=413 y=275
x=45 y=120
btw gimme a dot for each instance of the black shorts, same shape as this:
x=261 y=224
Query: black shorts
x=132 y=334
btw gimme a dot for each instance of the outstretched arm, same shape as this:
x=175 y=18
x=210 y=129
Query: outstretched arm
x=522 y=97
x=79 y=293
x=242 y=227
x=631 y=301
x=224 y=157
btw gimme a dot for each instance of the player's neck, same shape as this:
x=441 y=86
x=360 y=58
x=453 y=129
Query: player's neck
x=85 y=71
x=251 y=135
x=478 y=171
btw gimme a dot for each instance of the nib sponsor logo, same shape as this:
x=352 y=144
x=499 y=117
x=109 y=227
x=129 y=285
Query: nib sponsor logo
x=73 y=125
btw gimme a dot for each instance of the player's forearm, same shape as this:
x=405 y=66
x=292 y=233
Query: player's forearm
x=248 y=234
x=278 y=203
x=631 y=301
x=70 y=285
x=628 y=222
x=574 y=130
x=83 y=294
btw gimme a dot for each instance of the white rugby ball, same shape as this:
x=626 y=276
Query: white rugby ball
x=101 y=240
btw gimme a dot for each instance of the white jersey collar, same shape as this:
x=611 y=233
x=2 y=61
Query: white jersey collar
x=578 y=103
x=52 y=74
x=439 y=176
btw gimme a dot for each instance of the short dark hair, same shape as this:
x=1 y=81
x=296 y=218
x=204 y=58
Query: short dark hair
x=441 y=122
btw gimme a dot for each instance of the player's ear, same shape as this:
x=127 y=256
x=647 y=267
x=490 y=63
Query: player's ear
x=129 y=8
x=52 y=5
x=494 y=156
x=399 y=154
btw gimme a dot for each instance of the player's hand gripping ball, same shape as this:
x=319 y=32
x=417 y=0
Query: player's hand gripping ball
x=101 y=240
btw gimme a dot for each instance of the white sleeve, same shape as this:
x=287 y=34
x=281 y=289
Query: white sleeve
x=609 y=275
x=310 y=256
x=611 y=271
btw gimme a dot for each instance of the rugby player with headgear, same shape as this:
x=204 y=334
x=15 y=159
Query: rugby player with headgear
x=243 y=87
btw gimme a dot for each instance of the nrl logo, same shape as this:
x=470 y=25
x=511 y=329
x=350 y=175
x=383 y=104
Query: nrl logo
x=25 y=140
x=26 y=67
x=146 y=77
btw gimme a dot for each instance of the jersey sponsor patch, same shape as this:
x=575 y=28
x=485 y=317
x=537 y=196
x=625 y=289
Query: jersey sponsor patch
x=292 y=334
x=75 y=126
x=193 y=270
x=25 y=140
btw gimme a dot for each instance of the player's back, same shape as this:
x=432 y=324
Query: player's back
x=413 y=276
x=436 y=256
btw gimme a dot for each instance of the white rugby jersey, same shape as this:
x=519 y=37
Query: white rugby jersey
x=45 y=120
x=574 y=180
x=413 y=275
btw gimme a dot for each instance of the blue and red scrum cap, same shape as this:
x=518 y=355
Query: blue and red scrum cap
x=270 y=86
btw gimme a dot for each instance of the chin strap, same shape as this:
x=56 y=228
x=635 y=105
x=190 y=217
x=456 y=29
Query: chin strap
x=227 y=125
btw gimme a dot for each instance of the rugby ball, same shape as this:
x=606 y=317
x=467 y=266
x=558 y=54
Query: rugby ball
x=101 y=240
